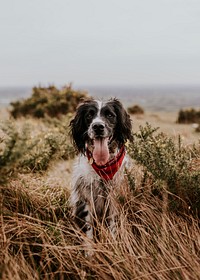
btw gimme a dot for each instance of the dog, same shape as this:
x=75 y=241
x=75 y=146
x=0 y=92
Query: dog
x=99 y=132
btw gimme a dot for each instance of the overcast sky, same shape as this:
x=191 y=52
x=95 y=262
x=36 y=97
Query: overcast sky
x=104 y=42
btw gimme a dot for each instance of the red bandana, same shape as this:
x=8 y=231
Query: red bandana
x=108 y=170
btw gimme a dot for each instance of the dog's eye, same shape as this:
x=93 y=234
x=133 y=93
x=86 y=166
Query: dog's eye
x=90 y=115
x=109 y=115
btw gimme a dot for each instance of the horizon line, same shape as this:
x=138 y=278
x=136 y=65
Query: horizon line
x=79 y=86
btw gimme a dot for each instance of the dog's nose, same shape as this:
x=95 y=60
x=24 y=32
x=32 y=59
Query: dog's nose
x=98 y=128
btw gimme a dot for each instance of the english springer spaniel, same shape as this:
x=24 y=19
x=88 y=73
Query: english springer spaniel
x=99 y=132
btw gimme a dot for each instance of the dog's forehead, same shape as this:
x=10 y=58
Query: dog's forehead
x=103 y=105
x=87 y=105
x=100 y=104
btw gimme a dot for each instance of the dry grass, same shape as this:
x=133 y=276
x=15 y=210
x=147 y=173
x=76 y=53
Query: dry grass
x=40 y=241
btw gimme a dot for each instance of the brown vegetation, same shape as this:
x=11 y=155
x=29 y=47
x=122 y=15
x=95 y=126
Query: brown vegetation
x=189 y=116
x=135 y=110
x=158 y=228
x=48 y=101
x=40 y=241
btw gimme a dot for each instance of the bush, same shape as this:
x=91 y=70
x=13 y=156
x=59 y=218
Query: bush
x=170 y=165
x=136 y=109
x=48 y=101
x=32 y=146
x=188 y=116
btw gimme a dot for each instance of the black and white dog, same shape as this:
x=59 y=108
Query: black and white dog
x=99 y=132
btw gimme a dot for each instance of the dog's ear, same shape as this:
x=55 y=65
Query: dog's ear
x=78 y=128
x=123 y=131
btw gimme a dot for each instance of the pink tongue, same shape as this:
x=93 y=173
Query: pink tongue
x=101 y=151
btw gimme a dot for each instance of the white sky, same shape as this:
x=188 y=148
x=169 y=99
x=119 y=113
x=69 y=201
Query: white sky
x=104 y=42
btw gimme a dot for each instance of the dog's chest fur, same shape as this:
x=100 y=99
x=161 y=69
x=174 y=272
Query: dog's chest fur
x=89 y=187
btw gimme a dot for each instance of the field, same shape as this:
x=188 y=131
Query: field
x=166 y=121
x=158 y=228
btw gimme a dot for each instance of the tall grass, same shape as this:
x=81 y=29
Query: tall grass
x=158 y=233
x=40 y=241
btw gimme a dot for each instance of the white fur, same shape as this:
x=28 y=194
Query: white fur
x=82 y=168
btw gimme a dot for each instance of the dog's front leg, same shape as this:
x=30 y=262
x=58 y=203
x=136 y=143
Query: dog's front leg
x=88 y=229
x=83 y=219
x=89 y=233
x=112 y=220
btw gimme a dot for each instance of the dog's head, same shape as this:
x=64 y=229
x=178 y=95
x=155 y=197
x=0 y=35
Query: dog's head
x=102 y=126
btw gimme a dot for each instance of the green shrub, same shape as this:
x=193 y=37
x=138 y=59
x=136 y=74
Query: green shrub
x=48 y=101
x=31 y=146
x=136 y=109
x=188 y=116
x=169 y=164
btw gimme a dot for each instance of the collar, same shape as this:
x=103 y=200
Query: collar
x=108 y=170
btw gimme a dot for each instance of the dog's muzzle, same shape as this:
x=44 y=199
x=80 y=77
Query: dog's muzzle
x=98 y=129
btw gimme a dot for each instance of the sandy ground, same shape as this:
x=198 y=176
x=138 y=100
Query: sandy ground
x=166 y=121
